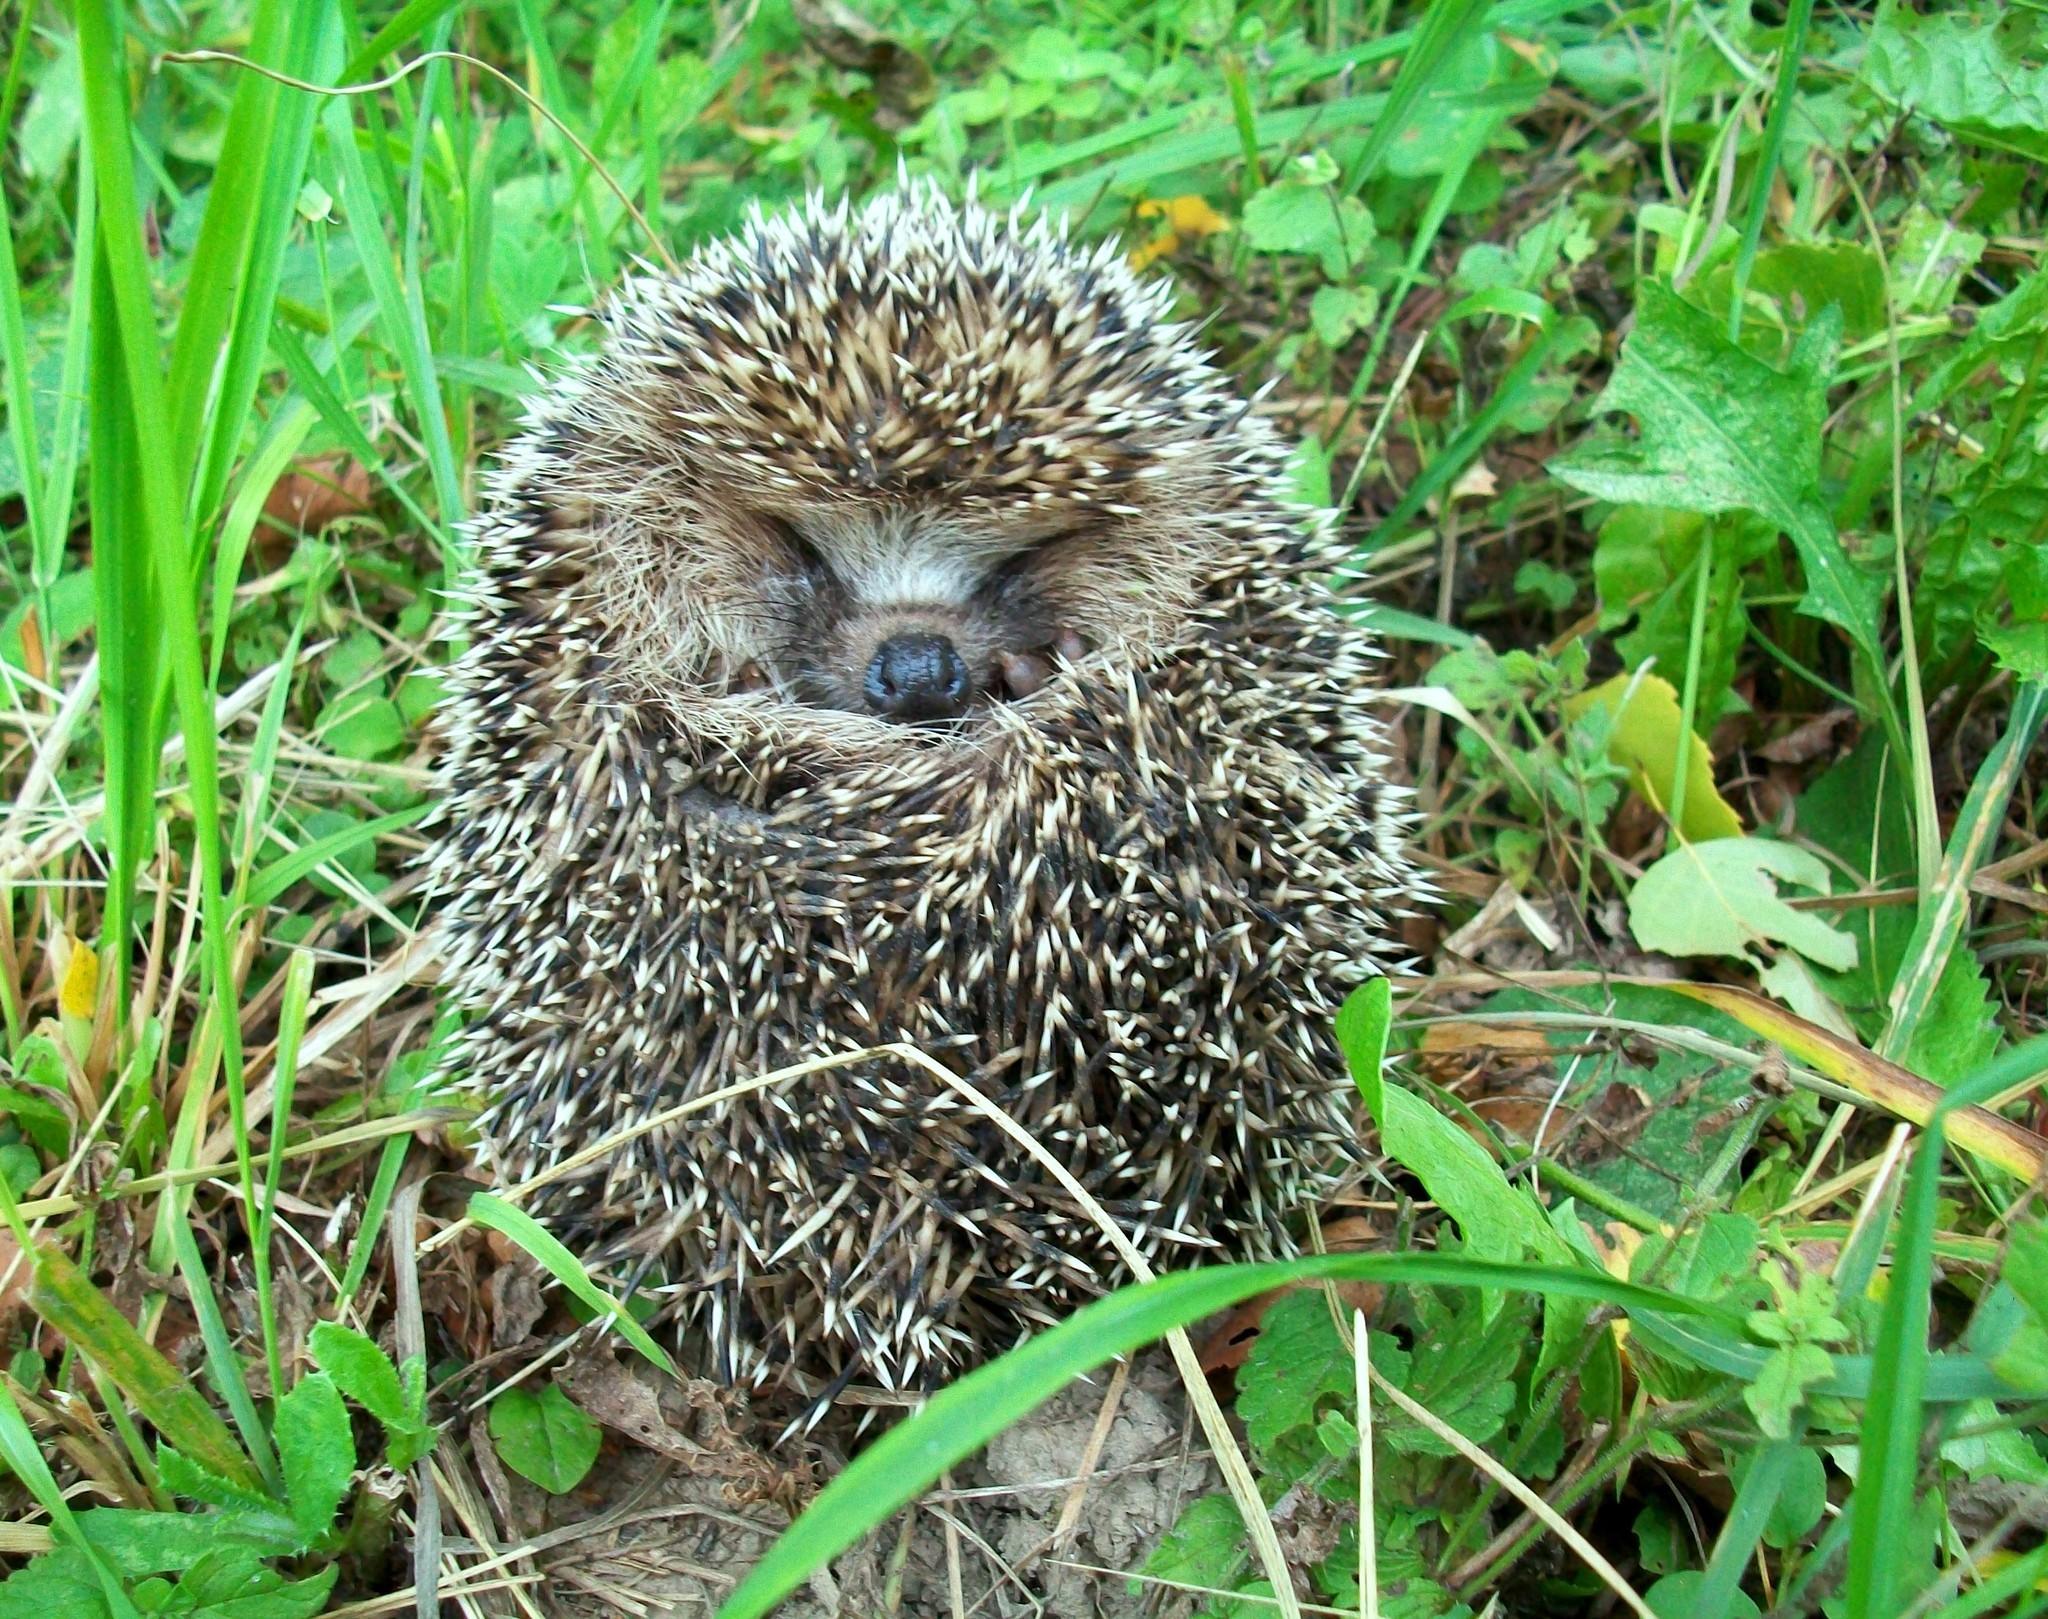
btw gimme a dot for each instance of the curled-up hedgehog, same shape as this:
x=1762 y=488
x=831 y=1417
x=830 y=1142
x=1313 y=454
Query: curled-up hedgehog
x=901 y=632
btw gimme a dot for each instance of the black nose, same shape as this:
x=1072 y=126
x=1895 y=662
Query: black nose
x=917 y=676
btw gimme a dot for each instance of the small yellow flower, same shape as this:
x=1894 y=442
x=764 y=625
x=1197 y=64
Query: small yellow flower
x=1184 y=217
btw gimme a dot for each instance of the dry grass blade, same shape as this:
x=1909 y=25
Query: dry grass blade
x=1877 y=1080
x=1368 y=1529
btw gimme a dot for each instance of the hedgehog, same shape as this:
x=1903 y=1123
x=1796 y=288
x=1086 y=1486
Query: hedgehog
x=901 y=631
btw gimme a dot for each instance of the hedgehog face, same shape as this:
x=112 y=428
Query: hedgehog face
x=916 y=619
x=896 y=485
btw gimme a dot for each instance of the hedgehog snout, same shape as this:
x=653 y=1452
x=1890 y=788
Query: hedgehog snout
x=917 y=675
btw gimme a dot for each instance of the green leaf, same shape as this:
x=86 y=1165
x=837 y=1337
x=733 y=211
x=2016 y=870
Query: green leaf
x=1969 y=75
x=1304 y=216
x=1361 y=1029
x=316 y=1451
x=1206 y=1548
x=160 y=1542
x=1780 y=1386
x=1462 y=1369
x=360 y=1370
x=361 y=725
x=1718 y=898
x=227 y=1586
x=1722 y=431
x=1676 y=1596
x=63 y=1297
x=58 y=1585
x=365 y=1374
x=184 y=1477
x=543 y=1437
x=1645 y=568
x=1296 y=1361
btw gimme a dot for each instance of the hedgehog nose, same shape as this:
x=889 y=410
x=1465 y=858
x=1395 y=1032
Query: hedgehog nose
x=917 y=676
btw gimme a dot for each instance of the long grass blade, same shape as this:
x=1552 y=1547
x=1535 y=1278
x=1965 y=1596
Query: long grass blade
x=959 y=1420
x=401 y=321
x=1888 y=1465
x=1447 y=24
x=1798 y=15
x=1976 y=832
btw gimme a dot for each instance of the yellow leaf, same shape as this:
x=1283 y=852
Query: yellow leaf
x=1897 y=1090
x=78 y=995
x=1183 y=217
x=1646 y=741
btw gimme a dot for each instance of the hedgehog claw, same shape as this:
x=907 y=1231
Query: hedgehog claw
x=750 y=678
x=1070 y=646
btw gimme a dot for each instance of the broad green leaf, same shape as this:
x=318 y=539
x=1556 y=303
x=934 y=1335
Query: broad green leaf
x=57 y=1585
x=1676 y=1597
x=63 y=1297
x=1297 y=1361
x=1970 y=74
x=361 y=725
x=1647 y=723
x=316 y=1451
x=1206 y=1548
x=360 y=1370
x=1722 y=431
x=1305 y=217
x=165 y=1542
x=232 y=1587
x=2022 y=645
x=1308 y=473
x=543 y=1437
x=1719 y=898
x=964 y=1416
x=1361 y=1029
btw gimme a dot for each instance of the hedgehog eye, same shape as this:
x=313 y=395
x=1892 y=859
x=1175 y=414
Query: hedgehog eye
x=808 y=559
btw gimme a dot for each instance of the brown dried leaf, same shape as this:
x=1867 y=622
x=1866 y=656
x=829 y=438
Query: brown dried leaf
x=318 y=492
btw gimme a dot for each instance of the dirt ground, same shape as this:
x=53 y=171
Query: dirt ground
x=1029 y=1527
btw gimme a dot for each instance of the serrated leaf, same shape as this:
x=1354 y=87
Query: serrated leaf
x=360 y=1370
x=187 y=1478
x=1297 y=1360
x=395 y=1396
x=1205 y=1548
x=1719 y=898
x=316 y=1451
x=1969 y=75
x=56 y=1585
x=543 y=1437
x=1722 y=431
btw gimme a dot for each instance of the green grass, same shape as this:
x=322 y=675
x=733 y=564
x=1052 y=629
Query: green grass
x=1673 y=369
